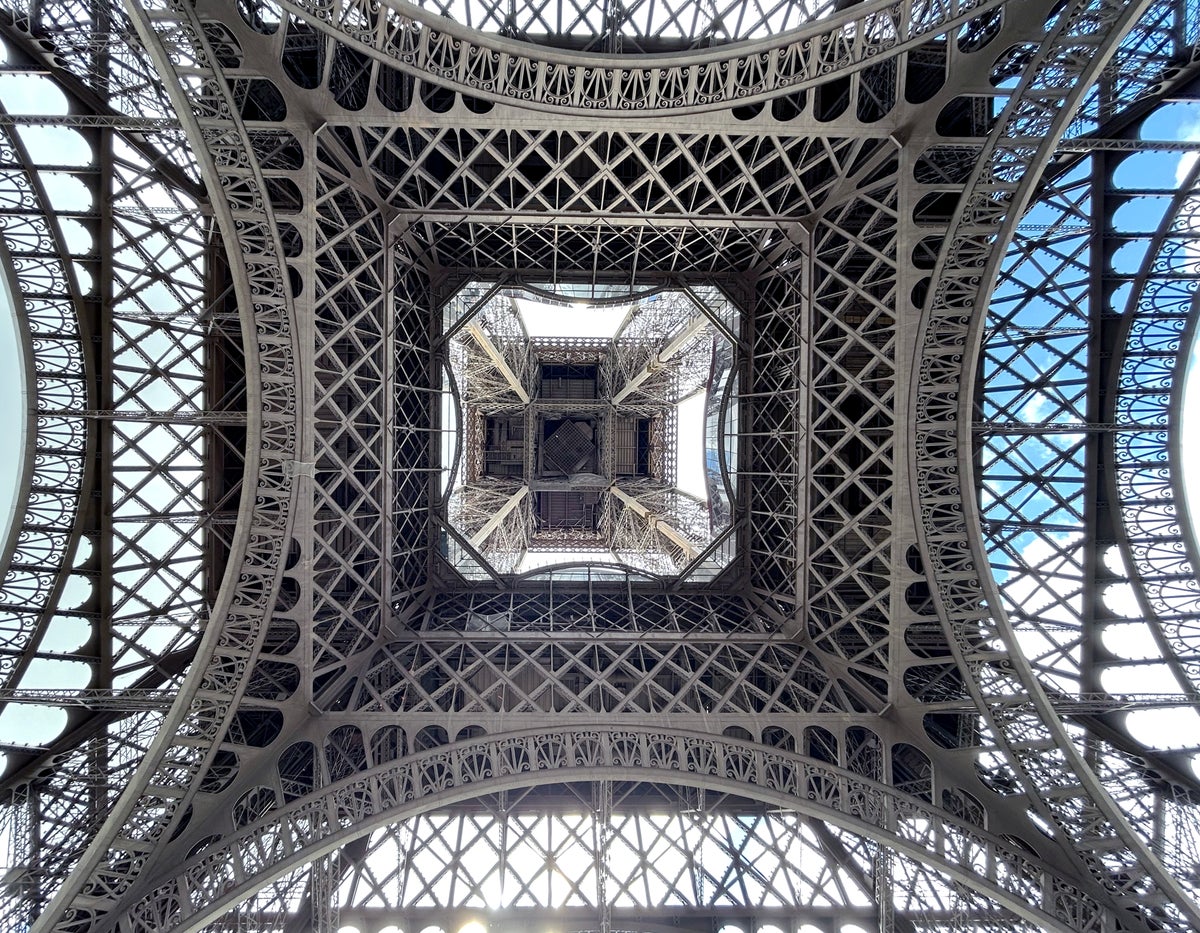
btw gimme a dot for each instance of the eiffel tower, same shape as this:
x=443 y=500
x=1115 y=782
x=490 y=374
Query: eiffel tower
x=558 y=466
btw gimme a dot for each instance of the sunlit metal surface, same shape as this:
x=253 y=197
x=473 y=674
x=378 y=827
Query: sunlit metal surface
x=924 y=659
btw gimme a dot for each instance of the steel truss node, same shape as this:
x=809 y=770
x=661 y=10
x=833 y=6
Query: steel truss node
x=280 y=644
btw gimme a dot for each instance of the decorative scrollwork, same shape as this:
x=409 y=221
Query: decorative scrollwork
x=45 y=299
x=1157 y=544
x=208 y=697
x=1036 y=742
x=236 y=866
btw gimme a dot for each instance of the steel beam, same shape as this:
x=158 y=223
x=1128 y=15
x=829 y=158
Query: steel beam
x=655 y=523
x=685 y=335
x=497 y=357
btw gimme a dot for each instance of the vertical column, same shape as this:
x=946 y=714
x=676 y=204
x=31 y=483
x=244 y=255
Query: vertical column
x=322 y=887
x=602 y=794
x=881 y=876
x=101 y=306
x=1098 y=378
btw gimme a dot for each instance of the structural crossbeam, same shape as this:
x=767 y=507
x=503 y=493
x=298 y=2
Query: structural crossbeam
x=480 y=537
x=655 y=522
x=674 y=346
x=497 y=358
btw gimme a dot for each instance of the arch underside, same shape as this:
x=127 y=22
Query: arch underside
x=842 y=686
x=605 y=771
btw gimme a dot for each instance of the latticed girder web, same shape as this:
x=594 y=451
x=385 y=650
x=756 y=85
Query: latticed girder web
x=949 y=845
x=661 y=857
x=107 y=263
x=570 y=440
x=141 y=256
x=1078 y=501
x=496 y=519
x=500 y=364
x=1115 y=768
x=845 y=186
x=643 y=26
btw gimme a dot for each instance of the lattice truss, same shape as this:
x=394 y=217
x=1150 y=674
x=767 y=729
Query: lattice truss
x=498 y=358
x=126 y=319
x=668 y=346
x=640 y=26
x=494 y=515
x=728 y=865
x=648 y=517
x=659 y=357
x=895 y=707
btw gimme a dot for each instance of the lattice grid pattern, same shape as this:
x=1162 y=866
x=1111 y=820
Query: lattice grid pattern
x=861 y=719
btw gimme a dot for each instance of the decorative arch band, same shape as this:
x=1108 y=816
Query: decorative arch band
x=493 y=68
x=237 y=866
x=1011 y=701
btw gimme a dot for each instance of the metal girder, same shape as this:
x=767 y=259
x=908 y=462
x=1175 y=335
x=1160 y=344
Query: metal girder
x=655 y=522
x=450 y=55
x=674 y=346
x=367 y=802
x=914 y=700
x=495 y=521
x=1026 y=737
x=498 y=360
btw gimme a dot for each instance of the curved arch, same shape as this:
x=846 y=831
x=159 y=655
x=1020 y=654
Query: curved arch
x=85 y=414
x=1155 y=533
x=170 y=770
x=56 y=468
x=1011 y=700
x=437 y=49
x=219 y=878
x=29 y=436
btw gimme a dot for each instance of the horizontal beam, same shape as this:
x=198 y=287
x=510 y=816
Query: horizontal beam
x=1058 y=427
x=115 y=121
x=156 y=417
x=681 y=917
x=130 y=699
x=1086 y=704
x=1092 y=144
x=577 y=219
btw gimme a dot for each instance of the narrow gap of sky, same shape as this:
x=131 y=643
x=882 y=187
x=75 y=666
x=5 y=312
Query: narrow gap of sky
x=13 y=405
x=578 y=319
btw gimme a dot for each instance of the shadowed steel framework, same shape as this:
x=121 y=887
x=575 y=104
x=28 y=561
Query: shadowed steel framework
x=269 y=658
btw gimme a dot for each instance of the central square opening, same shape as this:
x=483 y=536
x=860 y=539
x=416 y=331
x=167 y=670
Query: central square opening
x=588 y=435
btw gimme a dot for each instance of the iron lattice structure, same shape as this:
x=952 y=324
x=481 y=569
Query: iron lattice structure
x=569 y=444
x=901 y=705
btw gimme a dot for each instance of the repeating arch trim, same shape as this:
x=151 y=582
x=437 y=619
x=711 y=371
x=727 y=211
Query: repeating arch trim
x=292 y=836
x=491 y=67
x=208 y=696
x=1157 y=532
x=1010 y=698
x=56 y=463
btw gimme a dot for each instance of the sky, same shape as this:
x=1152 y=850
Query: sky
x=61 y=149
x=1048 y=601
